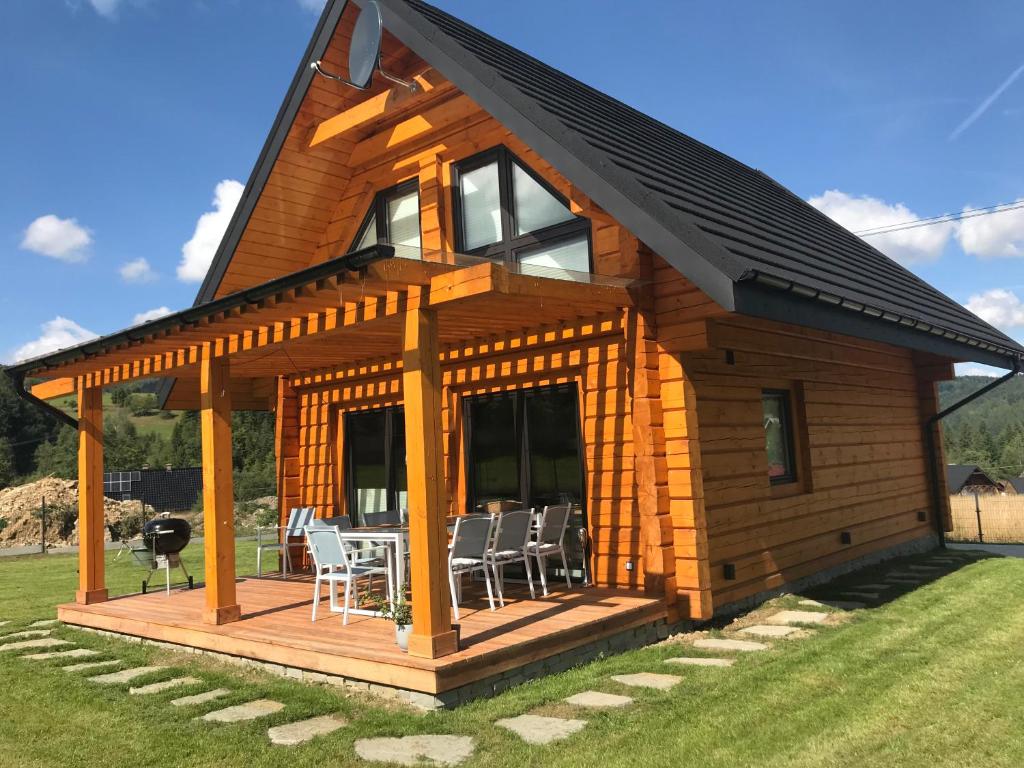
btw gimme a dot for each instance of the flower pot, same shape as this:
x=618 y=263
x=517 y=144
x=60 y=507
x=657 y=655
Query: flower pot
x=402 y=636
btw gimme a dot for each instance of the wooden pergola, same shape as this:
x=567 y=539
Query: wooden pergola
x=327 y=316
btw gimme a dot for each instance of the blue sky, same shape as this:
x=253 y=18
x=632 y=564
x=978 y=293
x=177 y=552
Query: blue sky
x=128 y=124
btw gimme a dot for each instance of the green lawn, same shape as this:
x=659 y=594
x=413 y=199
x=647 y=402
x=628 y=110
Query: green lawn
x=932 y=678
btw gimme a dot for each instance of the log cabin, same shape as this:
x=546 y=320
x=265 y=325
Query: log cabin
x=479 y=279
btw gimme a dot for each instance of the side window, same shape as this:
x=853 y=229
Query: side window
x=777 y=409
x=394 y=218
x=504 y=211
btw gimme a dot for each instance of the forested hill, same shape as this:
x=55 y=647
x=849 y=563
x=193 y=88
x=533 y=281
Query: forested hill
x=137 y=434
x=988 y=432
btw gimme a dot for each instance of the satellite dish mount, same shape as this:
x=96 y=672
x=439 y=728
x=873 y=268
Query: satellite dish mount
x=364 y=53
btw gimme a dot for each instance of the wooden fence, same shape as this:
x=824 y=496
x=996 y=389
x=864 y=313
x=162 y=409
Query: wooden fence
x=990 y=518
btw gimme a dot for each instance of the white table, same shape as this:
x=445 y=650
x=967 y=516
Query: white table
x=394 y=538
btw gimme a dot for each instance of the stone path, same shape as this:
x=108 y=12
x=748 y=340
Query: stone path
x=200 y=698
x=125 y=675
x=4 y=623
x=165 y=685
x=700 y=661
x=768 y=630
x=97 y=665
x=873 y=587
x=293 y=734
x=534 y=729
x=74 y=653
x=843 y=605
x=24 y=645
x=43 y=623
x=726 y=644
x=25 y=634
x=242 y=712
x=648 y=680
x=861 y=595
x=411 y=750
x=798 y=617
x=598 y=700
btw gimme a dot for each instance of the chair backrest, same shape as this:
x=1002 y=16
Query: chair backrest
x=341 y=522
x=386 y=517
x=553 y=522
x=298 y=519
x=325 y=546
x=472 y=536
x=512 y=530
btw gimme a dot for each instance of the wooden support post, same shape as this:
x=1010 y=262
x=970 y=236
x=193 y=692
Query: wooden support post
x=218 y=490
x=91 y=586
x=432 y=633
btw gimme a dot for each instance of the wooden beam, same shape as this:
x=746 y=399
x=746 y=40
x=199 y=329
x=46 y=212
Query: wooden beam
x=365 y=112
x=218 y=490
x=91 y=586
x=48 y=390
x=432 y=633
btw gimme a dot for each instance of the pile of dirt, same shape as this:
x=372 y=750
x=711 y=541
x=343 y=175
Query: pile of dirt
x=20 y=506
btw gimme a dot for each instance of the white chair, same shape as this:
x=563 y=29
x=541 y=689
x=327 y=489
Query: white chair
x=512 y=533
x=467 y=552
x=551 y=541
x=298 y=519
x=333 y=565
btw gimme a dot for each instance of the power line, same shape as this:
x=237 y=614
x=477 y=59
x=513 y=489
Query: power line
x=941 y=219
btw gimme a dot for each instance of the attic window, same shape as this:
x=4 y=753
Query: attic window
x=393 y=218
x=504 y=211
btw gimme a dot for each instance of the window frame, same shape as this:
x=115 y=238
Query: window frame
x=379 y=209
x=508 y=247
x=789 y=435
x=391 y=490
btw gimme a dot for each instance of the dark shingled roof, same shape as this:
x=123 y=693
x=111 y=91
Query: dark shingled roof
x=957 y=476
x=747 y=241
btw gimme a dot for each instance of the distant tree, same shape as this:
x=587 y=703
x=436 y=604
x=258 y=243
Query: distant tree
x=186 y=447
x=119 y=396
x=58 y=457
x=1011 y=460
x=7 y=470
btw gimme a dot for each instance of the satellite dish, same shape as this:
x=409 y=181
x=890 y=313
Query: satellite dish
x=364 y=52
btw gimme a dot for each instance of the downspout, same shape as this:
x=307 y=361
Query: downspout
x=19 y=387
x=929 y=437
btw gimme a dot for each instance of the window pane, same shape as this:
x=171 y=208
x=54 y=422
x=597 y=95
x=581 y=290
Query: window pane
x=399 y=478
x=493 y=449
x=555 y=475
x=368 y=236
x=404 y=224
x=481 y=206
x=572 y=255
x=365 y=438
x=777 y=437
x=536 y=208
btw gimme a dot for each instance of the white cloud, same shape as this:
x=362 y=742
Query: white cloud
x=198 y=252
x=995 y=234
x=973 y=369
x=316 y=6
x=909 y=246
x=58 y=333
x=62 y=239
x=106 y=8
x=152 y=314
x=137 y=271
x=998 y=307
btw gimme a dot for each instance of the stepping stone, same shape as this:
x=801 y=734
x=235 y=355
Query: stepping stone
x=768 y=630
x=200 y=698
x=74 y=653
x=728 y=644
x=293 y=734
x=843 y=605
x=125 y=675
x=26 y=634
x=43 y=642
x=648 y=680
x=166 y=685
x=248 y=711
x=43 y=623
x=598 y=700
x=700 y=661
x=411 y=750
x=3 y=623
x=798 y=617
x=90 y=665
x=862 y=595
x=534 y=729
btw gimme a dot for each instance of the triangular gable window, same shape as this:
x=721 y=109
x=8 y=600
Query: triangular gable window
x=393 y=218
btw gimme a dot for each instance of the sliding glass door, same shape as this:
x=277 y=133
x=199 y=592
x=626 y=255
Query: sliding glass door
x=524 y=447
x=375 y=478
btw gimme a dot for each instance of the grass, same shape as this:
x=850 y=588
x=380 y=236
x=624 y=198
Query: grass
x=153 y=423
x=931 y=678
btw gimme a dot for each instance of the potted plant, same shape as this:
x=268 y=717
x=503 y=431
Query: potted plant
x=400 y=613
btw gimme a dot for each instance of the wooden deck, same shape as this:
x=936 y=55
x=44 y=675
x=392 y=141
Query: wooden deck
x=276 y=628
